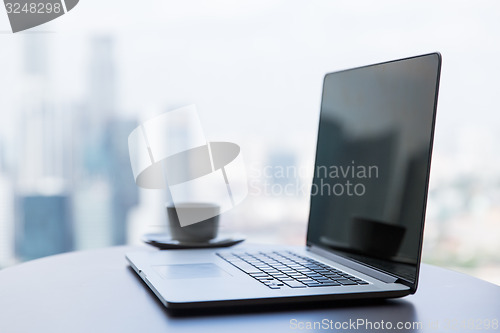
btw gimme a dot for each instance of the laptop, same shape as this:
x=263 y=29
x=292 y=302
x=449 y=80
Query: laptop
x=367 y=205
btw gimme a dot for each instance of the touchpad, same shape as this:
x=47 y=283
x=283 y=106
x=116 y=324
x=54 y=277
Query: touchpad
x=190 y=271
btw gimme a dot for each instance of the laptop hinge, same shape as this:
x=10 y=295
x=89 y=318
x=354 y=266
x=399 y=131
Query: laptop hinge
x=354 y=265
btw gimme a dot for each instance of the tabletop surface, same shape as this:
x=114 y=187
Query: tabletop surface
x=96 y=291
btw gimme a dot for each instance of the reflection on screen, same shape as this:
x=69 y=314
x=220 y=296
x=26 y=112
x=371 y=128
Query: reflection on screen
x=372 y=162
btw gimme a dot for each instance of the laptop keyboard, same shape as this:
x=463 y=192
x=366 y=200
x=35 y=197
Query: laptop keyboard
x=287 y=269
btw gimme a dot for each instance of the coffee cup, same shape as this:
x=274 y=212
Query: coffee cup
x=202 y=231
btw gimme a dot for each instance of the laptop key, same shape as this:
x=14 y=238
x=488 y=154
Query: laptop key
x=267 y=269
x=246 y=267
x=294 y=284
x=274 y=287
x=334 y=276
x=267 y=277
x=330 y=284
x=322 y=279
x=268 y=282
x=272 y=271
x=346 y=282
x=279 y=276
x=295 y=275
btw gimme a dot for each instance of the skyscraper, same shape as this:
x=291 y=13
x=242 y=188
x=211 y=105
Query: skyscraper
x=123 y=188
x=6 y=213
x=44 y=222
x=100 y=105
x=44 y=229
x=102 y=156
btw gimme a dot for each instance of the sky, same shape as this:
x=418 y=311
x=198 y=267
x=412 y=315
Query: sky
x=255 y=68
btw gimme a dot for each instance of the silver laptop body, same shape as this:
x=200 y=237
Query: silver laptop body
x=367 y=212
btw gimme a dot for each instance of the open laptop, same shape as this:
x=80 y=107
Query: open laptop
x=367 y=208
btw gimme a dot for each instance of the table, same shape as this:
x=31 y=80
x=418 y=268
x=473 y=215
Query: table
x=96 y=291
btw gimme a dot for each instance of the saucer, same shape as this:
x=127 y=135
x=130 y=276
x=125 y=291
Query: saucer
x=164 y=241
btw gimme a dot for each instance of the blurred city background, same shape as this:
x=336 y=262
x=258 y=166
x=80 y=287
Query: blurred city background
x=72 y=90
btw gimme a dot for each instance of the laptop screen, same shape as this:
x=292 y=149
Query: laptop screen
x=372 y=165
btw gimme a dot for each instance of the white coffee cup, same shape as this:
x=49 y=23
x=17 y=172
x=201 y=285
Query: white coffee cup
x=198 y=232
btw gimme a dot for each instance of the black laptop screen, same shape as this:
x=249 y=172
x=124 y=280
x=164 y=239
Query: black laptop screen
x=372 y=165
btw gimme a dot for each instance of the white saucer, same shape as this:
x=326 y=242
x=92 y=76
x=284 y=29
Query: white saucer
x=164 y=241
